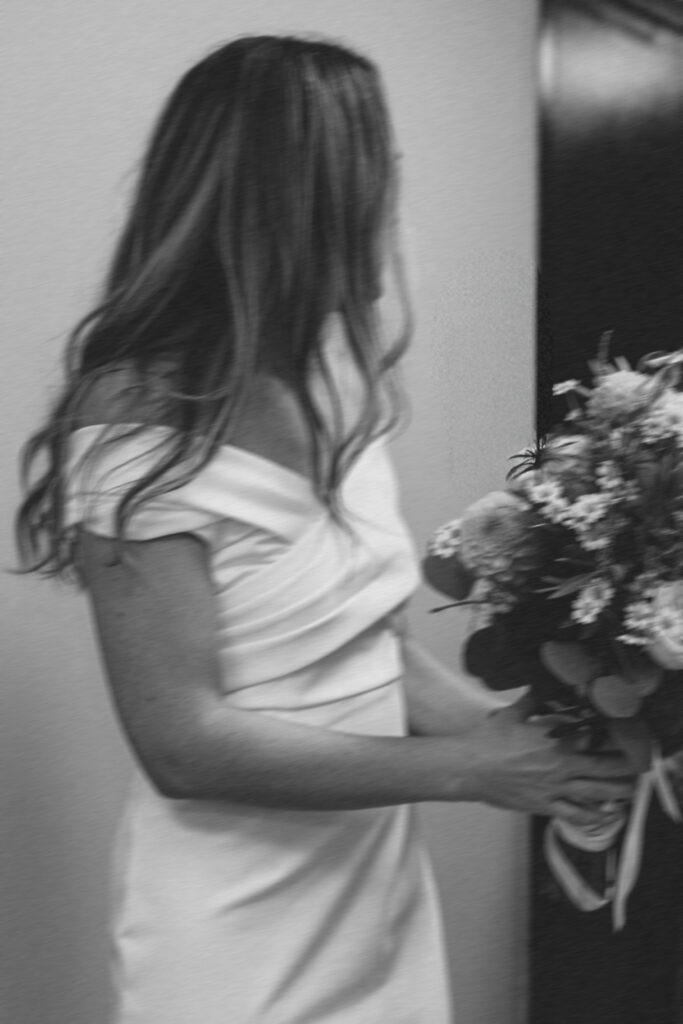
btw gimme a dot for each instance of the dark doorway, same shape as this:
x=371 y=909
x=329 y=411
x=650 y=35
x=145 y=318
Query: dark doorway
x=611 y=259
x=611 y=184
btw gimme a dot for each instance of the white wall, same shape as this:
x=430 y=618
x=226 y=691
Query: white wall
x=85 y=77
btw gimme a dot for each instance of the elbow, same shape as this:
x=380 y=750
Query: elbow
x=172 y=789
x=171 y=786
x=173 y=757
x=172 y=777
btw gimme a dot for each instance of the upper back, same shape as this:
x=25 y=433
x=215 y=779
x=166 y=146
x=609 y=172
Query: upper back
x=118 y=395
x=270 y=421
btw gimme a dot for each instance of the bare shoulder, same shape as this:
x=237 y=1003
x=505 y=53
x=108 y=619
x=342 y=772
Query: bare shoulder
x=119 y=394
x=271 y=424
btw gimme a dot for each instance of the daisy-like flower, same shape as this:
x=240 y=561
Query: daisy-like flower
x=549 y=496
x=664 y=421
x=591 y=601
x=609 y=477
x=639 y=619
x=667 y=627
x=446 y=540
x=657 y=427
x=587 y=510
x=546 y=492
x=639 y=616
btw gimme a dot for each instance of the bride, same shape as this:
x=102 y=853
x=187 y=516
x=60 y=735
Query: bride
x=215 y=475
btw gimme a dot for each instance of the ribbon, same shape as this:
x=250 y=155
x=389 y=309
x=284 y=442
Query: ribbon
x=655 y=781
x=576 y=888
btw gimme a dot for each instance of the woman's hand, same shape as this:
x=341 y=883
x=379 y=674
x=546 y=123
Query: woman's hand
x=517 y=765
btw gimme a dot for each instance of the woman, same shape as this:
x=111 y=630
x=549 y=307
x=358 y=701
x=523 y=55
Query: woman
x=216 y=478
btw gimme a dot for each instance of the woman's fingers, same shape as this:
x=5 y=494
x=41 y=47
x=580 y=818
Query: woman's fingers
x=608 y=766
x=526 y=770
x=582 y=817
x=584 y=791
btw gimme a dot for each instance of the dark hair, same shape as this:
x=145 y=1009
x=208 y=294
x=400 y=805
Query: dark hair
x=262 y=208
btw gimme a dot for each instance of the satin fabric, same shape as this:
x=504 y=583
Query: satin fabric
x=231 y=914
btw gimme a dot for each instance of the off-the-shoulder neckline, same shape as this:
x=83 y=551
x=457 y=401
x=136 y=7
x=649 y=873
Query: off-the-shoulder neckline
x=236 y=450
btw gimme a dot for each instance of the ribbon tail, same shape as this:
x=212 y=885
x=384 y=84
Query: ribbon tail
x=632 y=850
x=665 y=790
x=574 y=885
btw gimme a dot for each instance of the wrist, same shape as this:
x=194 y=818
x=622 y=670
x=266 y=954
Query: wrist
x=461 y=779
x=478 y=774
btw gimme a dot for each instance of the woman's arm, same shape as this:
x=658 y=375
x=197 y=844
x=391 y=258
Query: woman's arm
x=442 y=702
x=155 y=619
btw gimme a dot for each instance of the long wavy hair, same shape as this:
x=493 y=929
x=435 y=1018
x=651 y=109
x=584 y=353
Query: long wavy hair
x=263 y=208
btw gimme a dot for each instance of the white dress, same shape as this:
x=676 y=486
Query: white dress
x=227 y=913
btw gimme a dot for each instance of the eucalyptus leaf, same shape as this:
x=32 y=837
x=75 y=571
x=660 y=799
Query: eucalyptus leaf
x=640 y=670
x=570 y=662
x=615 y=697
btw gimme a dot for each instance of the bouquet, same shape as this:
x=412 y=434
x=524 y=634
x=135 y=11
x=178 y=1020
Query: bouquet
x=577 y=568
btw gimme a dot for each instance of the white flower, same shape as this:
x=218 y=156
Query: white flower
x=639 y=617
x=672 y=403
x=446 y=540
x=667 y=628
x=549 y=495
x=657 y=427
x=591 y=601
x=664 y=420
x=585 y=516
x=546 y=492
x=609 y=478
x=586 y=511
x=620 y=394
x=589 y=508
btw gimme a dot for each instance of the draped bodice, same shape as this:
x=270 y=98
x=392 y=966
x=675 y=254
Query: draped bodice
x=300 y=595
